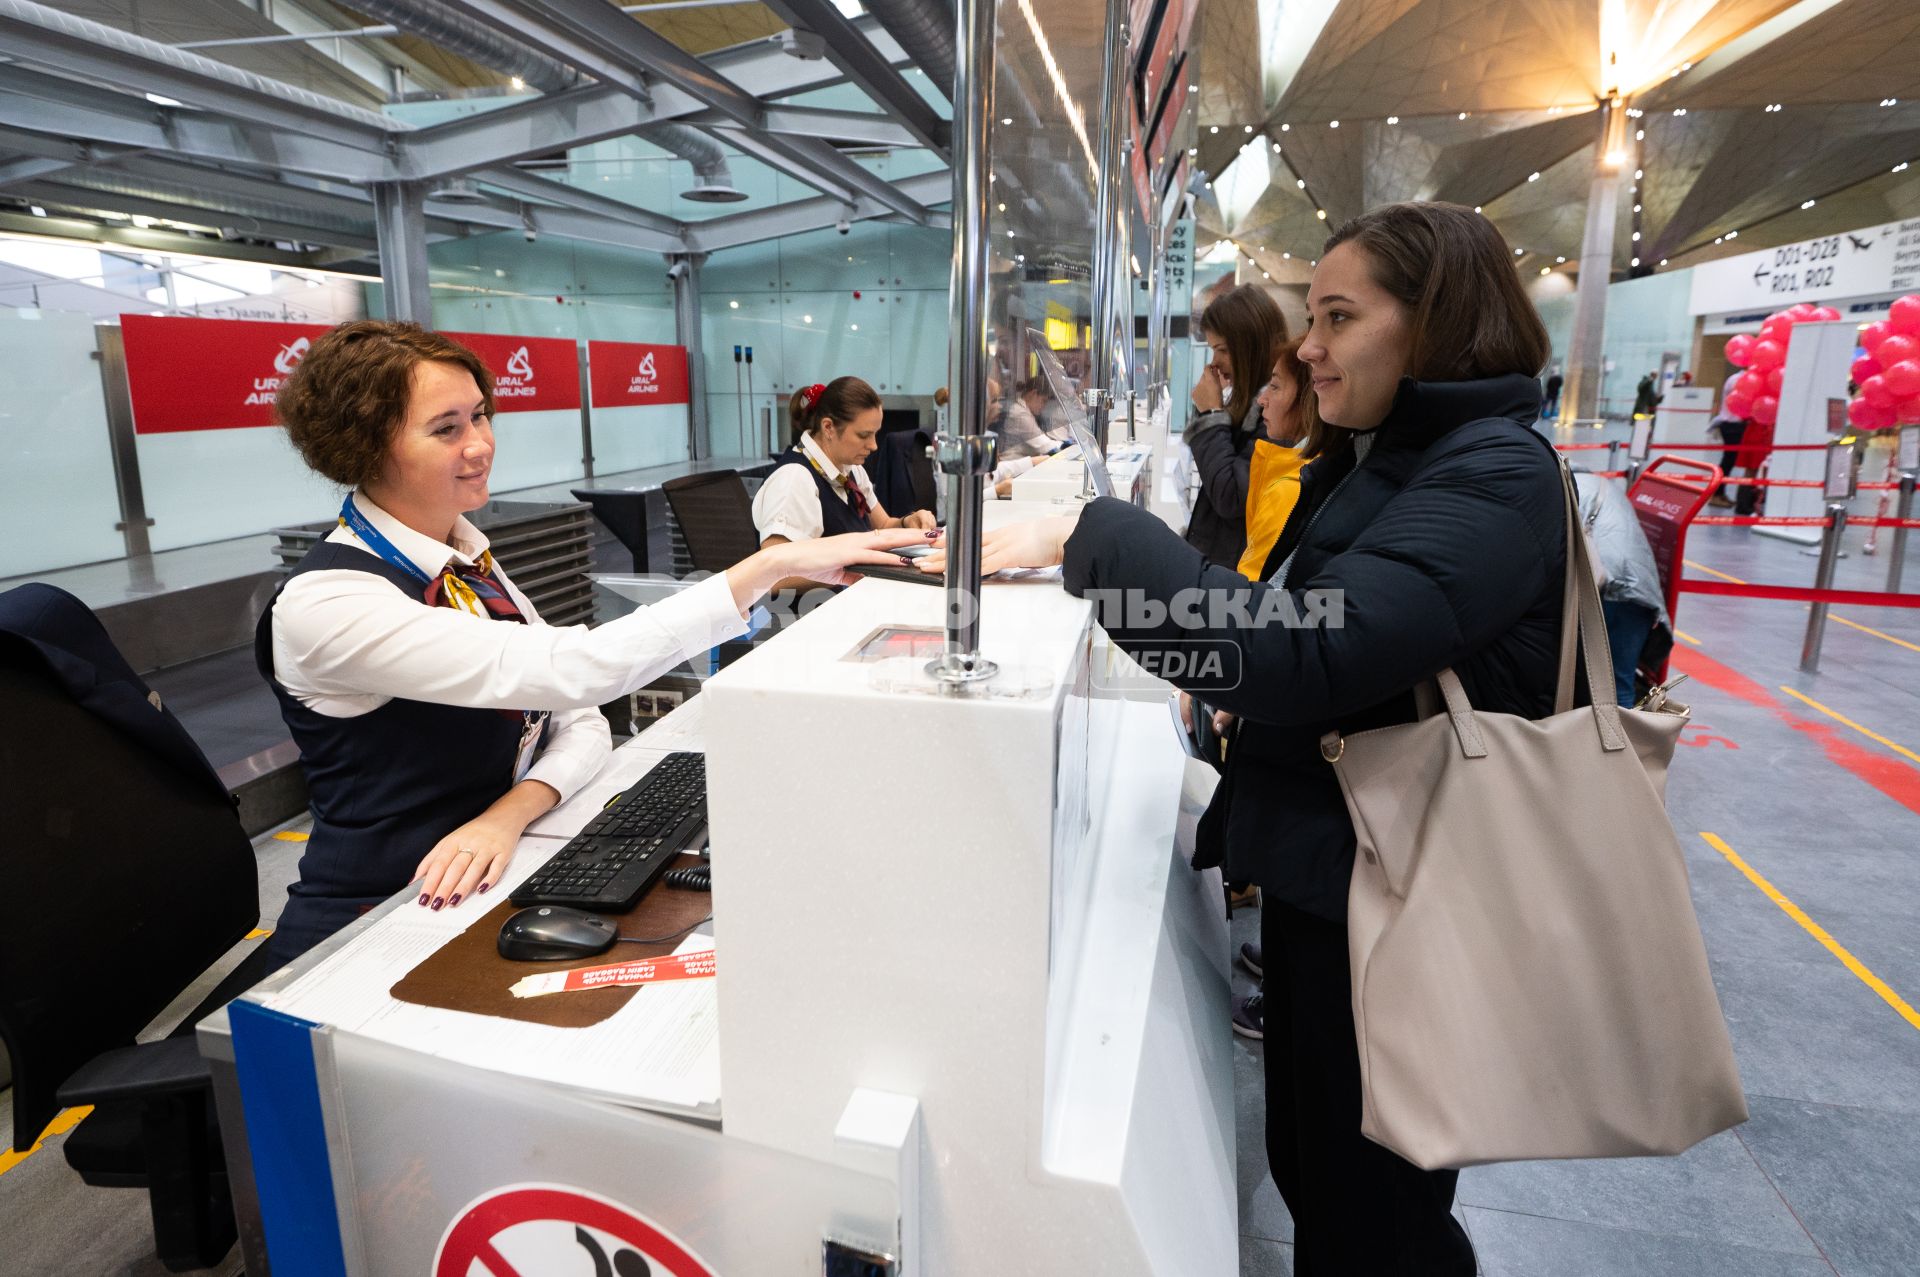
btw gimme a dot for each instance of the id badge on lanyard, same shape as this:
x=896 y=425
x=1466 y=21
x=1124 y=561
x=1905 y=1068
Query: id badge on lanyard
x=533 y=727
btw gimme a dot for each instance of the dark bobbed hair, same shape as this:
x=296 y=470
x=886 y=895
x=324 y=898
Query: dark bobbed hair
x=1249 y=323
x=1303 y=419
x=1454 y=272
x=349 y=394
x=843 y=399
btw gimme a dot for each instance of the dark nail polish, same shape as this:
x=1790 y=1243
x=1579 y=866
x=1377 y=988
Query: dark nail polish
x=423 y=897
x=933 y=534
x=455 y=900
x=483 y=889
x=438 y=901
x=905 y=561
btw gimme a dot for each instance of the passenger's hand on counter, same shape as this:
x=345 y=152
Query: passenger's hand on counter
x=1037 y=543
x=922 y=520
x=822 y=559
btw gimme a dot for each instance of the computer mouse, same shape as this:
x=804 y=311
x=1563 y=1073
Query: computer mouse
x=547 y=933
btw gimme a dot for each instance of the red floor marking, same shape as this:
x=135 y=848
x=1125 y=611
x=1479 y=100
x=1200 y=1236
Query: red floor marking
x=1892 y=777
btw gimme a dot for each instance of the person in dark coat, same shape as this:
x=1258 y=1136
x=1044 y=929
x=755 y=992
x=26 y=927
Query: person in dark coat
x=1429 y=534
x=1245 y=331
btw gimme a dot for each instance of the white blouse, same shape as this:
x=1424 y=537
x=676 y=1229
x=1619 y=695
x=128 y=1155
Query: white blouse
x=788 y=503
x=346 y=642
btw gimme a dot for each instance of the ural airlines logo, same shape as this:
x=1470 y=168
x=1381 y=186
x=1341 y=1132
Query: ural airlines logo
x=290 y=356
x=518 y=382
x=646 y=381
x=265 y=388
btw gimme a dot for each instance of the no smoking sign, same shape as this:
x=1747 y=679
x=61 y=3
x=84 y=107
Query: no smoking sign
x=545 y=1230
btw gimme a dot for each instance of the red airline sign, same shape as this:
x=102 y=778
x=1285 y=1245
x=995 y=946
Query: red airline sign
x=623 y=373
x=530 y=374
x=185 y=373
x=208 y=374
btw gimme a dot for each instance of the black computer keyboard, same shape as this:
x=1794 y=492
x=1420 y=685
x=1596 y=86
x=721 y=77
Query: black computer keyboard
x=623 y=851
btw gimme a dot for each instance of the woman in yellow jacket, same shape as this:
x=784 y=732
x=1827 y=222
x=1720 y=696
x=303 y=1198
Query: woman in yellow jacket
x=1287 y=422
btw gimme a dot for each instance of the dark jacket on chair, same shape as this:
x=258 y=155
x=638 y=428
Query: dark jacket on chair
x=1222 y=457
x=62 y=634
x=1447 y=543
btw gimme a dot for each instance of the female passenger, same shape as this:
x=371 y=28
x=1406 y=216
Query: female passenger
x=1245 y=330
x=1438 y=514
x=818 y=487
x=436 y=715
x=1284 y=445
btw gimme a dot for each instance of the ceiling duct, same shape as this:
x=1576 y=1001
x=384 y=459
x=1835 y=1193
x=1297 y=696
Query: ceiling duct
x=446 y=29
x=924 y=30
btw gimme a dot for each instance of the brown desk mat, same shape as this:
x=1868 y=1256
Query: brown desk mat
x=468 y=973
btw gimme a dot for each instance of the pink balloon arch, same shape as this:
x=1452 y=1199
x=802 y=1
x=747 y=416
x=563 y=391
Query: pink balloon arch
x=1888 y=375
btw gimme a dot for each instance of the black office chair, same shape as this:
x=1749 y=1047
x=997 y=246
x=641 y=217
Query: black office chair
x=926 y=484
x=122 y=879
x=715 y=515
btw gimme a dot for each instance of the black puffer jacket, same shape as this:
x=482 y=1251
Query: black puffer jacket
x=1448 y=543
x=1222 y=457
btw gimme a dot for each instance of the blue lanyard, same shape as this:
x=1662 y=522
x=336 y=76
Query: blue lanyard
x=374 y=540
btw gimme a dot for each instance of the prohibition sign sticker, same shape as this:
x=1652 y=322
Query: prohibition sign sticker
x=549 y=1230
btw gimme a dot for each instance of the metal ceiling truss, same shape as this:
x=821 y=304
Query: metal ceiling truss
x=243 y=139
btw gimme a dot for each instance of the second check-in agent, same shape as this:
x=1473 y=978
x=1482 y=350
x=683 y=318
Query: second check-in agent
x=818 y=488
x=436 y=715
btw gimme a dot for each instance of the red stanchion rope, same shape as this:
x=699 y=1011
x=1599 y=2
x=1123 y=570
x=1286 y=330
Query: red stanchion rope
x=1799 y=593
x=1761 y=521
x=1800 y=483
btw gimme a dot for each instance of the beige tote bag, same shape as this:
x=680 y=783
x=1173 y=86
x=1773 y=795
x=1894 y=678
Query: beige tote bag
x=1528 y=975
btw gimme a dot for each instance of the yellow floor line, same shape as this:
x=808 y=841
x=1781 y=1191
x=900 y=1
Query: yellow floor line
x=1817 y=931
x=63 y=1121
x=1701 y=567
x=290 y=835
x=1804 y=699
x=258 y=933
x=1685 y=637
x=1868 y=629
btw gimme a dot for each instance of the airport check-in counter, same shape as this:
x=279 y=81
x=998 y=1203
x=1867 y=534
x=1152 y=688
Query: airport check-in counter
x=970 y=1014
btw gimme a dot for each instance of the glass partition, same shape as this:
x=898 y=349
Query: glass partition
x=58 y=505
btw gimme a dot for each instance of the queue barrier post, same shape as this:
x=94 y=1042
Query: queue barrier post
x=1897 y=553
x=1823 y=580
x=1613 y=455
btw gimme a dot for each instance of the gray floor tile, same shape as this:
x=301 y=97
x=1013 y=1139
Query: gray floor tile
x=1262 y=1258
x=1808 y=1030
x=1713 y=1192
x=1513 y=1245
x=1853 y=1176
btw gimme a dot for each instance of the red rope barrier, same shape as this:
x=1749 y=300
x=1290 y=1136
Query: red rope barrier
x=1756 y=521
x=1800 y=594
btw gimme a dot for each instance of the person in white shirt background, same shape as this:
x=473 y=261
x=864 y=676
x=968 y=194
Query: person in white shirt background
x=436 y=715
x=818 y=487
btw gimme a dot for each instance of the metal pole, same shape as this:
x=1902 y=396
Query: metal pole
x=1897 y=553
x=1581 y=393
x=1109 y=268
x=966 y=455
x=400 y=224
x=1613 y=455
x=739 y=400
x=586 y=415
x=1823 y=580
x=125 y=450
x=753 y=416
x=684 y=271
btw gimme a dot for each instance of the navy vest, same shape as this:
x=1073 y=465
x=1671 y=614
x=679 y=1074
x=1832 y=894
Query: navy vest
x=836 y=514
x=383 y=787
